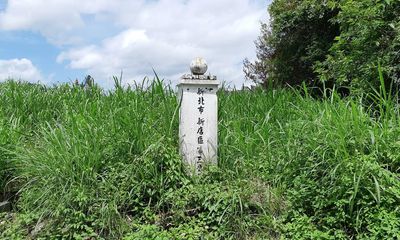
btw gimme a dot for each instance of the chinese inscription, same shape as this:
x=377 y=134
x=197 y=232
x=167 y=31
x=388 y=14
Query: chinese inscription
x=200 y=129
x=200 y=125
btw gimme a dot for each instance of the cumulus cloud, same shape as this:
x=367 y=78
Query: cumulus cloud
x=57 y=20
x=19 y=69
x=163 y=34
x=134 y=53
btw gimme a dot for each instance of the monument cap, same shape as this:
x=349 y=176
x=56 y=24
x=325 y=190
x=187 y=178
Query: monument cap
x=198 y=66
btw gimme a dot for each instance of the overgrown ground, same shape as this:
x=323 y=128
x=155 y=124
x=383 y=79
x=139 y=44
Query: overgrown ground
x=88 y=164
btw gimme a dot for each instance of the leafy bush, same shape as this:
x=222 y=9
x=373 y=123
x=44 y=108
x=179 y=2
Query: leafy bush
x=369 y=36
x=334 y=42
x=299 y=34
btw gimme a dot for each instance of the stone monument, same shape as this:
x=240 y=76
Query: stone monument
x=198 y=116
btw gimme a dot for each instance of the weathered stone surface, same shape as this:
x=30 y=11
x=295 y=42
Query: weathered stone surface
x=198 y=66
x=198 y=120
x=198 y=77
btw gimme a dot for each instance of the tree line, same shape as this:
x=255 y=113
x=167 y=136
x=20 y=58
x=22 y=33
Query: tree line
x=330 y=43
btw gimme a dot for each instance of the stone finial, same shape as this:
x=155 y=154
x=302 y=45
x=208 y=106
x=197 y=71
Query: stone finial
x=198 y=66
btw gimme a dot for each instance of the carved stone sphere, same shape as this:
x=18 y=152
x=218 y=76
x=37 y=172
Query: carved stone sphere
x=198 y=66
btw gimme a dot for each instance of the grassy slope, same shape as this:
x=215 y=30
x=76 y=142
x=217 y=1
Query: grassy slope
x=87 y=163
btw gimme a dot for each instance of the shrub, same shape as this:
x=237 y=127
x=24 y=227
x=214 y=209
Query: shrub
x=369 y=36
x=326 y=43
x=299 y=34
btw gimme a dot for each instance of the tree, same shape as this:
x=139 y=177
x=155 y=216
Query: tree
x=257 y=72
x=369 y=36
x=339 y=42
x=300 y=33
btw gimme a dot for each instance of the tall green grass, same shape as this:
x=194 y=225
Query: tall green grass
x=89 y=163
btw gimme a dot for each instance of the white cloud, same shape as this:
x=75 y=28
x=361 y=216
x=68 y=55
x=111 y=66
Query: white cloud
x=57 y=20
x=133 y=52
x=19 y=69
x=164 y=34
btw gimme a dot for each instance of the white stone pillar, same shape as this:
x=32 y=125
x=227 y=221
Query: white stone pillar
x=198 y=117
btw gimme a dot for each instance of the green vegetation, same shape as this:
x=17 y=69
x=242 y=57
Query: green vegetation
x=330 y=42
x=78 y=162
x=88 y=164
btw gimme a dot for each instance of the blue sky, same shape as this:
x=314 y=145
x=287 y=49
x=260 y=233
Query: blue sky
x=33 y=46
x=61 y=40
x=3 y=4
